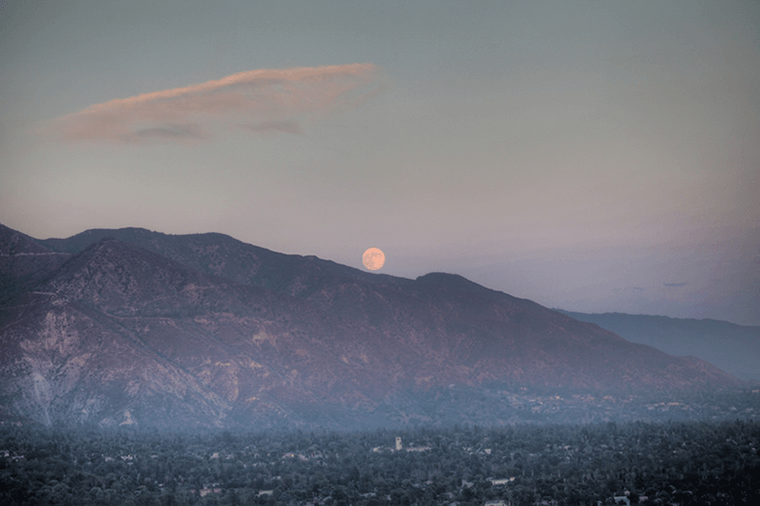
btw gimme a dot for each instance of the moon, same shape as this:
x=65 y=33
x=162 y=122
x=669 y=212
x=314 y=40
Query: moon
x=373 y=259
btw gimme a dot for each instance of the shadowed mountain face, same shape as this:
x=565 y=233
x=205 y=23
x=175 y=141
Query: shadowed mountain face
x=132 y=326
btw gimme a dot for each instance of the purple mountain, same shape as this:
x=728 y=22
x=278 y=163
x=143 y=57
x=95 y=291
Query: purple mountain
x=132 y=326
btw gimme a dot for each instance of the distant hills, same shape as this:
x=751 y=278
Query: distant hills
x=131 y=326
x=733 y=348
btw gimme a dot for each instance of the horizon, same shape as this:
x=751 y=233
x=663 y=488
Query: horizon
x=595 y=157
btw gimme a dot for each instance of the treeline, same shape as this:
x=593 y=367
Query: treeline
x=670 y=463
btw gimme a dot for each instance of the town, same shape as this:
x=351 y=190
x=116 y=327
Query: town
x=607 y=463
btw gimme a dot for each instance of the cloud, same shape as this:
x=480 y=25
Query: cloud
x=259 y=101
x=675 y=285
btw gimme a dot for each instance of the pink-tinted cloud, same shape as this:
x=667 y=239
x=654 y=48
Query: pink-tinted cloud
x=259 y=101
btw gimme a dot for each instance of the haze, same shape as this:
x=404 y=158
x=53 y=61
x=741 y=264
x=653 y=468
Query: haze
x=593 y=156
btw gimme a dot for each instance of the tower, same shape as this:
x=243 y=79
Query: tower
x=398 y=443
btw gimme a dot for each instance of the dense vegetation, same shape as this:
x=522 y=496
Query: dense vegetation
x=670 y=463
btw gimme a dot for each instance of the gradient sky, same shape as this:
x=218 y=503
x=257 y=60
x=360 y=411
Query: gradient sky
x=591 y=156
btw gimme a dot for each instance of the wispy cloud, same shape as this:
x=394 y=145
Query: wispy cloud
x=259 y=101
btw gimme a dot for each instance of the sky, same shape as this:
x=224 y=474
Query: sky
x=591 y=156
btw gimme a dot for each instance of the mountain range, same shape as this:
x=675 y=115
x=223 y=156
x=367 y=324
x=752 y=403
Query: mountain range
x=733 y=348
x=130 y=326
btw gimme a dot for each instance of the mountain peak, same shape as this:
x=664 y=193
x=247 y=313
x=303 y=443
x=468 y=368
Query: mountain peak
x=16 y=243
x=116 y=276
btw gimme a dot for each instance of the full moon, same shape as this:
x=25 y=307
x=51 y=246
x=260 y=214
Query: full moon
x=373 y=259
